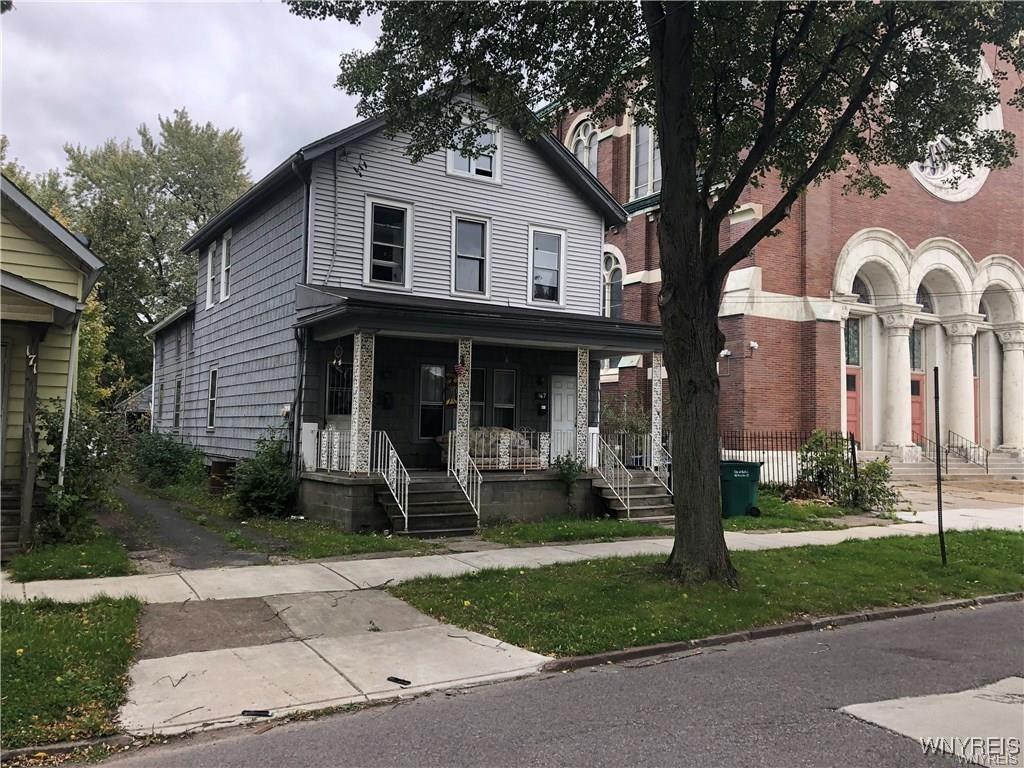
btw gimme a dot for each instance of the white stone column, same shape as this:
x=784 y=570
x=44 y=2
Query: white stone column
x=959 y=398
x=361 y=427
x=582 y=401
x=462 y=406
x=656 y=409
x=1012 y=340
x=897 y=433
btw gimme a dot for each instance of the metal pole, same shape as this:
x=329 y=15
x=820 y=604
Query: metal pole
x=938 y=465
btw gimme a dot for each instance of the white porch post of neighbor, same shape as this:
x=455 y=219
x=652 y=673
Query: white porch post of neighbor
x=656 y=407
x=897 y=429
x=582 y=401
x=1012 y=340
x=960 y=398
x=361 y=427
x=462 y=410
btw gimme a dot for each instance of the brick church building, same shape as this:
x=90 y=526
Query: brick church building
x=837 y=322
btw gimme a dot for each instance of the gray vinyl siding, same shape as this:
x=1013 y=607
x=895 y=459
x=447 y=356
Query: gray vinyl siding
x=249 y=336
x=530 y=193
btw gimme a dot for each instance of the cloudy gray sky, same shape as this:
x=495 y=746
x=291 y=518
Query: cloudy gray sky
x=82 y=72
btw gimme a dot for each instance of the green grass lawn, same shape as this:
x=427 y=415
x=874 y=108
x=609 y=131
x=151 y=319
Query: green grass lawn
x=523 y=534
x=779 y=514
x=103 y=555
x=588 y=607
x=307 y=539
x=64 y=668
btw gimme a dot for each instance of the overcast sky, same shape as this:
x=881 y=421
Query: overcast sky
x=82 y=72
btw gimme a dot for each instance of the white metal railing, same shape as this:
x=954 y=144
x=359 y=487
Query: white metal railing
x=663 y=468
x=384 y=461
x=613 y=471
x=333 y=450
x=638 y=451
x=468 y=475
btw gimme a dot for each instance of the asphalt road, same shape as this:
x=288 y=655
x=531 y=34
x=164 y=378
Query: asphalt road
x=770 y=702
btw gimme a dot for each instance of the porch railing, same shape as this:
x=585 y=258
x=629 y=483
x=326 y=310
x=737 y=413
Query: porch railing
x=930 y=451
x=468 y=476
x=637 y=451
x=333 y=450
x=968 y=450
x=613 y=471
x=384 y=461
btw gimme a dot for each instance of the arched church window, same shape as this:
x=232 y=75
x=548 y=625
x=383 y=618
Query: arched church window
x=861 y=289
x=611 y=297
x=584 y=145
x=924 y=298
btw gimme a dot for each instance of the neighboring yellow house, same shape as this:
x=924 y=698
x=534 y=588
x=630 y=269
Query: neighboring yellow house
x=45 y=275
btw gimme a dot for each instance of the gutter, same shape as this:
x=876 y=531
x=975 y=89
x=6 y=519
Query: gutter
x=68 y=395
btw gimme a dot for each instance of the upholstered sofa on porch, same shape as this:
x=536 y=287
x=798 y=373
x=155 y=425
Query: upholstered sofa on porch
x=526 y=450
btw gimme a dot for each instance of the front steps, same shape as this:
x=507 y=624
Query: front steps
x=1001 y=466
x=649 y=500
x=437 y=507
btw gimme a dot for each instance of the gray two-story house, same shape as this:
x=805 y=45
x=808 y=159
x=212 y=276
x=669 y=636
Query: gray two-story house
x=425 y=335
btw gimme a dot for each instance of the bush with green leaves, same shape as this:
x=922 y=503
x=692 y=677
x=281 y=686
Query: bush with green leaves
x=263 y=485
x=826 y=469
x=570 y=468
x=160 y=459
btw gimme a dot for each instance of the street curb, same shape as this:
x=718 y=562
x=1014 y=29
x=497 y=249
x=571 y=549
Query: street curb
x=63 y=747
x=775 y=630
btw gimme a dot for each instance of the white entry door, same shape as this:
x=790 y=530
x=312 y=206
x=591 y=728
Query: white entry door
x=563 y=415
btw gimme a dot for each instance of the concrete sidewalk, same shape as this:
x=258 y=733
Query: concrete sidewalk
x=346 y=575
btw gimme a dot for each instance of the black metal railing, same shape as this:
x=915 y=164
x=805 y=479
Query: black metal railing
x=779 y=453
x=930 y=451
x=968 y=450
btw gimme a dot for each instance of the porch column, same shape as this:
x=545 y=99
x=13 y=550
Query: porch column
x=656 y=405
x=960 y=398
x=582 y=401
x=897 y=431
x=361 y=426
x=462 y=409
x=1012 y=340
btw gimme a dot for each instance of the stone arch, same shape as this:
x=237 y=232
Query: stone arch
x=946 y=269
x=1000 y=282
x=881 y=257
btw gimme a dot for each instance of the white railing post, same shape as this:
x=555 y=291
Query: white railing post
x=385 y=461
x=614 y=472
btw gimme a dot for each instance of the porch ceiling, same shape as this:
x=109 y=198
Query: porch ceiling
x=334 y=312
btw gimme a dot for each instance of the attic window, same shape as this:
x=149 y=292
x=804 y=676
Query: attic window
x=485 y=165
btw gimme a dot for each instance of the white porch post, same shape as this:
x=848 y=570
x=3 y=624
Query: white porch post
x=897 y=430
x=582 y=401
x=462 y=409
x=656 y=407
x=361 y=427
x=960 y=398
x=1012 y=340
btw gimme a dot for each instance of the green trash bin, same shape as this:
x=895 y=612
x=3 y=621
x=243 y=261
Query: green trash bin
x=739 y=488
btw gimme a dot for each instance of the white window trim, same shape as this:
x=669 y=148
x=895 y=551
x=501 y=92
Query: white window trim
x=620 y=264
x=225 y=246
x=495 y=178
x=179 y=402
x=210 y=251
x=632 y=163
x=486 y=221
x=572 y=138
x=368 y=248
x=211 y=402
x=564 y=235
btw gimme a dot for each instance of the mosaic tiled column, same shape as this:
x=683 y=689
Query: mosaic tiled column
x=544 y=447
x=504 y=451
x=361 y=428
x=582 y=401
x=462 y=409
x=656 y=406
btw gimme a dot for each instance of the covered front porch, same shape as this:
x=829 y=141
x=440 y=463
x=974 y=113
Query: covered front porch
x=473 y=393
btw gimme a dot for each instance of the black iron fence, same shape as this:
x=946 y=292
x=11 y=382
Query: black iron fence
x=779 y=454
x=968 y=450
x=930 y=451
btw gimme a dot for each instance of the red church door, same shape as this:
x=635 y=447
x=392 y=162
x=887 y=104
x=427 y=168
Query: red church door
x=917 y=403
x=853 y=402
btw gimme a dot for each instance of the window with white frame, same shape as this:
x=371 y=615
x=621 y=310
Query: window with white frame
x=177 y=404
x=177 y=340
x=611 y=297
x=484 y=165
x=388 y=242
x=505 y=399
x=225 y=266
x=431 y=401
x=584 y=145
x=211 y=275
x=646 y=162
x=470 y=255
x=211 y=400
x=547 y=252
x=160 y=401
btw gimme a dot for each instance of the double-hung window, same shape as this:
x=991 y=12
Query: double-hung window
x=505 y=399
x=225 y=266
x=177 y=404
x=470 y=255
x=431 y=401
x=211 y=274
x=388 y=242
x=484 y=165
x=646 y=162
x=160 y=401
x=547 y=268
x=211 y=400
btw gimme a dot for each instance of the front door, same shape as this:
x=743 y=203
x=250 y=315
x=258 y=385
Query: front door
x=917 y=403
x=563 y=415
x=853 y=402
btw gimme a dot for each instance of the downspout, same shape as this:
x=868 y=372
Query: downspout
x=300 y=335
x=69 y=394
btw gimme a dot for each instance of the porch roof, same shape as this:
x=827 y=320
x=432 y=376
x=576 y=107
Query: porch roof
x=333 y=312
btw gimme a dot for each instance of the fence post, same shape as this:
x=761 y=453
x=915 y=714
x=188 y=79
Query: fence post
x=856 y=470
x=938 y=469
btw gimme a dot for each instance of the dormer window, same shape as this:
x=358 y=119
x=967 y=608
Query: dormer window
x=584 y=144
x=486 y=163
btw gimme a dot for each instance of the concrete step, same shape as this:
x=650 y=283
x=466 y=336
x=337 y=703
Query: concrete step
x=635 y=518
x=662 y=506
x=435 y=533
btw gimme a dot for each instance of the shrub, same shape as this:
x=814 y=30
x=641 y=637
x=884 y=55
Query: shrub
x=825 y=469
x=160 y=459
x=626 y=415
x=873 y=491
x=569 y=468
x=263 y=484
